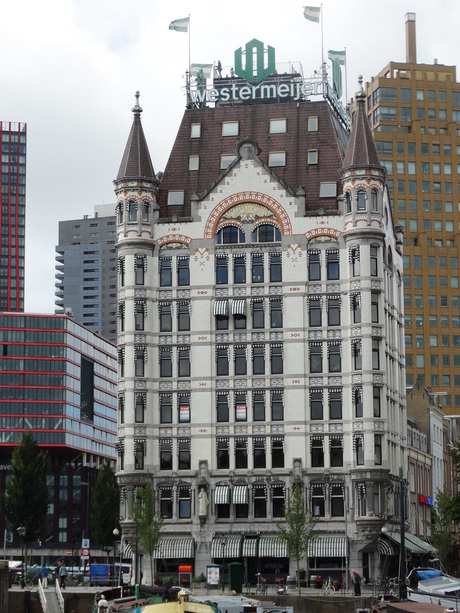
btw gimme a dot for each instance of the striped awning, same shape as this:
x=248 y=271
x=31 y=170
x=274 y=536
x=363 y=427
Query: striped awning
x=250 y=547
x=175 y=547
x=327 y=547
x=238 y=307
x=221 y=308
x=272 y=547
x=226 y=546
x=386 y=548
x=240 y=494
x=222 y=494
x=412 y=543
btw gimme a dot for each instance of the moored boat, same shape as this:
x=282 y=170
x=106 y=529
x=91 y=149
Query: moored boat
x=434 y=587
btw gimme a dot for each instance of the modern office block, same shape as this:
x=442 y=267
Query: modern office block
x=13 y=136
x=86 y=274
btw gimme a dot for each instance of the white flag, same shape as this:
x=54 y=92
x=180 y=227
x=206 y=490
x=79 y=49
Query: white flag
x=312 y=13
x=180 y=25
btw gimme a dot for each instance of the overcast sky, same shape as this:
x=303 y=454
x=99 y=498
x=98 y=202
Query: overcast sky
x=70 y=68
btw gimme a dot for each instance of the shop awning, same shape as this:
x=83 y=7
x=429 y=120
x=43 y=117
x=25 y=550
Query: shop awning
x=240 y=494
x=386 y=547
x=177 y=547
x=221 y=308
x=412 y=543
x=238 y=307
x=272 y=547
x=250 y=547
x=222 y=494
x=226 y=546
x=327 y=547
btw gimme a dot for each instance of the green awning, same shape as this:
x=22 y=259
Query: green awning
x=175 y=547
x=327 y=547
x=226 y=547
x=412 y=543
x=272 y=547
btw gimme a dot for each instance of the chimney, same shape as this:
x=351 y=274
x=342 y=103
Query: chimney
x=411 y=43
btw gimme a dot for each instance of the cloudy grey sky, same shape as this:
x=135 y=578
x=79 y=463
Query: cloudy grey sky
x=69 y=69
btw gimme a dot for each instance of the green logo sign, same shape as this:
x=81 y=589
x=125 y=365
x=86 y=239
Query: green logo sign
x=255 y=47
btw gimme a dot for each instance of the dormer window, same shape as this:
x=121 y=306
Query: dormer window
x=277 y=126
x=175 y=197
x=230 y=128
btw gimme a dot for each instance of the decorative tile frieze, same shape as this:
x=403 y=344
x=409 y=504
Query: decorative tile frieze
x=240 y=429
x=238 y=383
x=276 y=382
x=165 y=294
x=183 y=293
x=239 y=291
x=258 y=383
x=222 y=430
x=165 y=340
x=221 y=291
x=240 y=337
x=222 y=338
x=183 y=385
x=334 y=380
x=275 y=290
x=276 y=336
x=183 y=339
x=165 y=385
x=357 y=378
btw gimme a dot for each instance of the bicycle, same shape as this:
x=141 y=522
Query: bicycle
x=328 y=588
x=391 y=587
x=28 y=583
x=261 y=585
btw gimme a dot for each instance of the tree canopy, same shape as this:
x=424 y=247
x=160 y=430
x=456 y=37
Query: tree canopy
x=298 y=528
x=105 y=506
x=148 y=521
x=26 y=498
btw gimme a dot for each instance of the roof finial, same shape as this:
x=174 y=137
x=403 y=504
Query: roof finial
x=360 y=81
x=137 y=110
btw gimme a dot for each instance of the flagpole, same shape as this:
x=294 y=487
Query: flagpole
x=189 y=101
x=346 y=80
x=323 y=67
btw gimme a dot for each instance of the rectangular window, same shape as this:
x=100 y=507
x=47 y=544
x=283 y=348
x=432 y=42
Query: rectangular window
x=316 y=403
x=165 y=271
x=332 y=259
x=275 y=267
x=183 y=359
x=184 y=454
x=317 y=452
x=378 y=449
x=259 y=453
x=165 y=315
x=165 y=362
x=239 y=269
x=240 y=359
x=139 y=269
x=277 y=405
x=139 y=408
x=258 y=406
x=183 y=271
x=139 y=360
x=185 y=503
x=183 y=401
x=175 y=197
x=257 y=261
x=314 y=265
x=221 y=269
x=312 y=156
x=165 y=454
x=328 y=189
x=277 y=126
x=230 y=128
x=183 y=316
x=165 y=408
x=222 y=360
x=259 y=493
x=195 y=130
x=374 y=261
x=222 y=407
x=335 y=403
x=166 y=510
x=139 y=454
x=358 y=444
x=357 y=393
x=223 y=456
x=258 y=359
x=316 y=357
x=276 y=313
x=241 y=453
x=194 y=162
x=276 y=359
x=333 y=311
x=226 y=160
x=139 y=310
x=317 y=500
x=277 y=452
x=336 y=451
x=337 y=500
x=357 y=354
x=374 y=307
x=276 y=158
x=334 y=351
x=376 y=355
x=313 y=124
x=241 y=407
x=315 y=311
x=355 y=299
x=258 y=313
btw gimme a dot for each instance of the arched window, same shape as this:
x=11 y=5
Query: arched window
x=145 y=212
x=132 y=211
x=374 y=200
x=348 y=202
x=266 y=233
x=230 y=235
x=120 y=212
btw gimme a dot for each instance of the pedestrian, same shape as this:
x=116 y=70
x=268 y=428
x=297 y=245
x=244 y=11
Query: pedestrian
x=62 y=574
x=44 y=576
x=356 y=580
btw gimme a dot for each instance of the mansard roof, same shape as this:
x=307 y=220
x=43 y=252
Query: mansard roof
x=361 y=149
x=136 y=162
x=253 y=120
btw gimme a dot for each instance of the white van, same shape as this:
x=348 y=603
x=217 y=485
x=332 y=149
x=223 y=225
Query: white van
x=126 y=572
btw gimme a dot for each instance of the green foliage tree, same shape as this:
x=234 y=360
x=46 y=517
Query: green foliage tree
x=26 y=497
x=441 y=526
x=105 y=506
x=298 y=528
x=148 y=521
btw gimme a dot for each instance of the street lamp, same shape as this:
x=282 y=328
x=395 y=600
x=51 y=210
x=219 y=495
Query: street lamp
x=22 y=533
x=116 y=533
x=223 y=544
x=402 y=552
